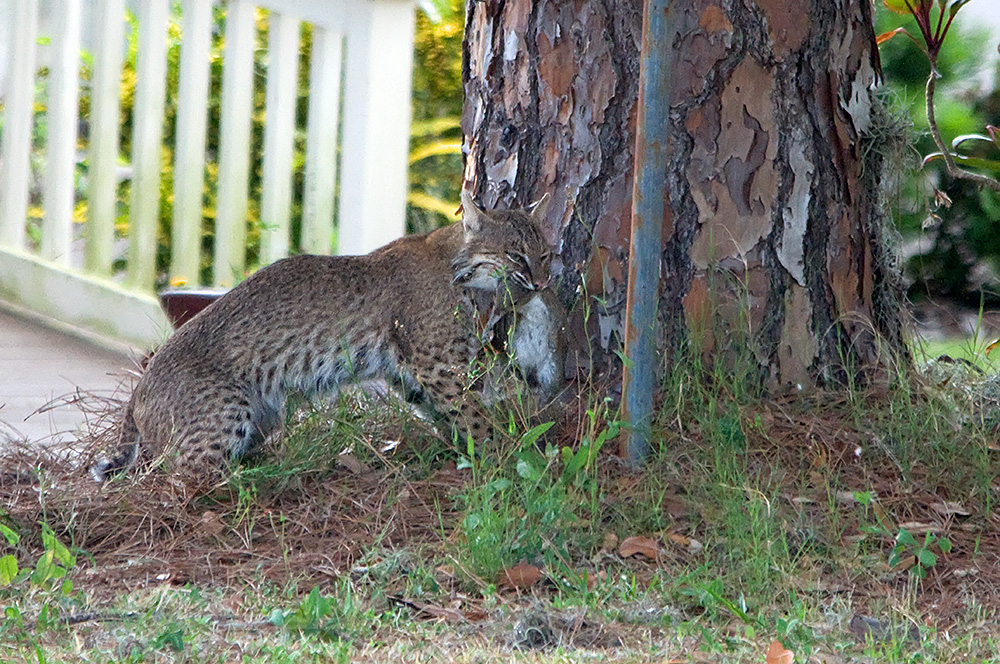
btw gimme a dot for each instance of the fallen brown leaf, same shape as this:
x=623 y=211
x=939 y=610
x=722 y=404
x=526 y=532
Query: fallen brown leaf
x=778 y=654
x=520 y=576
x=639 y=545
x=906 y=563
x=593 y=577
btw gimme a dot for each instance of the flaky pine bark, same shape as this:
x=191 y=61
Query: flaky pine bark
x=550 y=100
x=777 y=229
x=773 y=240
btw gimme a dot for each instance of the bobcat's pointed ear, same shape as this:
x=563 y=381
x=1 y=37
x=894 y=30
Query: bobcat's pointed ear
x=540 y=207
x=472 y=214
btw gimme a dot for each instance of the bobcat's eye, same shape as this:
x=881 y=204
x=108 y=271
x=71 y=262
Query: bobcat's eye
x=545 y=256
x=517 y=258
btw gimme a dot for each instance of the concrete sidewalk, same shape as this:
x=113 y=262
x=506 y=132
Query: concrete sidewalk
x=38 y=365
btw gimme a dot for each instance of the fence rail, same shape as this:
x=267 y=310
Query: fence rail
x=65 y=268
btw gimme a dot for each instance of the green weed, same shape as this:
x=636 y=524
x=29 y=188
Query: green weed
x=42 y=589
x=338 y=617
x=542 y=505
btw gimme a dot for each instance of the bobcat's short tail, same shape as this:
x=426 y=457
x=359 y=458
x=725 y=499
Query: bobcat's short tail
x=123 y=455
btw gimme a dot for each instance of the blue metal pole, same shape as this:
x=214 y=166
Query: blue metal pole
x=650 y=213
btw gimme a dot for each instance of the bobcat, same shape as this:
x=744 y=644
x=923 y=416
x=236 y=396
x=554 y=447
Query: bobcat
x=311 y=324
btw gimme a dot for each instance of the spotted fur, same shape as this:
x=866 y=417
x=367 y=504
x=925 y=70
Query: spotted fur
x=313 y=324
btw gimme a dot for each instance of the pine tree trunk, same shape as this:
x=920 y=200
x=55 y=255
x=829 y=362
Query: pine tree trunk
x=550 y=100
x=774 y=235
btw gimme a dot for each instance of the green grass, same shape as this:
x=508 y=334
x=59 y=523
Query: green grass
x=808 y=521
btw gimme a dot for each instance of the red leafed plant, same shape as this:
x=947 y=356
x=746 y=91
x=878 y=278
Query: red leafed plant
x=934 y=19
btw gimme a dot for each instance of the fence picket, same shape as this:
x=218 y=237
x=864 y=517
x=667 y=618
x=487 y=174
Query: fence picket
x=15 y=145
x=147 y=140
x=276 y=188
x=189 y=157
x=376 y=125
x=321 y=141
x=60 y=154
x=234 y=148
x=102 y=156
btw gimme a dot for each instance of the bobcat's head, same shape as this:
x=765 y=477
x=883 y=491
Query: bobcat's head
x=503 y=246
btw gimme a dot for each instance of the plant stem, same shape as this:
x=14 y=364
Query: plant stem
x=951 y=167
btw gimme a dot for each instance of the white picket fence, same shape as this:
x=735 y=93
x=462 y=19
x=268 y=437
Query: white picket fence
x=67 y=276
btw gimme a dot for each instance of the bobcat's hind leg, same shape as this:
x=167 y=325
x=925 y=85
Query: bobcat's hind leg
x=235 y=429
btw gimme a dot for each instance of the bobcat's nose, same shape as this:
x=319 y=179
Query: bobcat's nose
x=539 y=284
